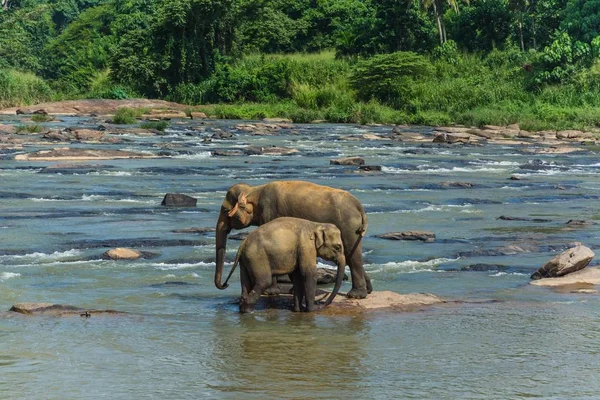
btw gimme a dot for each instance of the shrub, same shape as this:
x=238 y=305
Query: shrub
x=29 y=128
x=41 y=118
x=389 y=77
x=126 y=116
x=19 y=88
x=158 y=125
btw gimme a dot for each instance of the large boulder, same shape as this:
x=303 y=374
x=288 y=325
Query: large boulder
x=569 y=261
x=582 y=278
x=69 y=154
x=178 y=200
x=121 y=253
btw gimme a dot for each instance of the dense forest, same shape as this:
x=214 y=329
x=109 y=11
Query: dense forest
x=535 y=62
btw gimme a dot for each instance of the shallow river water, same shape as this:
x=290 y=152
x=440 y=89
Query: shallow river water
x=505 y=339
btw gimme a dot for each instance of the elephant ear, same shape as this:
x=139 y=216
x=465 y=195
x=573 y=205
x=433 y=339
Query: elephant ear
x=319 y=238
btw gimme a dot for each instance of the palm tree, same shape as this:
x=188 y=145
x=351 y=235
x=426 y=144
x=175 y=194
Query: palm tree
x=438 y=10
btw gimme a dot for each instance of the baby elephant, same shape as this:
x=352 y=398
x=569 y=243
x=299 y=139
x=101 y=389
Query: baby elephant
x=288 y=246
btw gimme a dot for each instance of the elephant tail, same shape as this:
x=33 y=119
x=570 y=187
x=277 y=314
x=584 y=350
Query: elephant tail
x=360 y=232
x=235 y=263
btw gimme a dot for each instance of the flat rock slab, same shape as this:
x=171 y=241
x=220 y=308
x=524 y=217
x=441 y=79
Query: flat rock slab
x=58 y=310
x=68 y=154
x=582 y=278
x=385 y=300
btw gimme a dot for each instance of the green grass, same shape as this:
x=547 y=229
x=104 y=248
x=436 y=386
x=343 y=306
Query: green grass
x=157 y=125
x=127 y=115
x=29 y=128
x=22 y=88
x=41 y=118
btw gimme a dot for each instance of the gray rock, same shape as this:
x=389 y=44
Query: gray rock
x=409 y=235
x=348 y=161
x=369 y=168
x=57 y=310
x=178 y=200
x=571 y=260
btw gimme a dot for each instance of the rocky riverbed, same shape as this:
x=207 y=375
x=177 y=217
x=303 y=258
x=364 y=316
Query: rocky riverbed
x=461 y=214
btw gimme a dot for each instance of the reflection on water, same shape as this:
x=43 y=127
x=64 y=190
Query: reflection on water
x=187 y=340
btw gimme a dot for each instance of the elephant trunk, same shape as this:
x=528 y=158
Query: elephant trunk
x=341 y=266
x=222 y=231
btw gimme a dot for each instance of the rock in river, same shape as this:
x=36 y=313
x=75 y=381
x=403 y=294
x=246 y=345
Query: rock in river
x=57 y=310
x=178 y=200
x=69 y=154
x=584 y=277
x=409 y=235
x=348 y=161
x=569 y=261
x=121 y=253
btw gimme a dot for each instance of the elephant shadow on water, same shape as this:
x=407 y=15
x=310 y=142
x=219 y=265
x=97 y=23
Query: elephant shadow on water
x=290 y=354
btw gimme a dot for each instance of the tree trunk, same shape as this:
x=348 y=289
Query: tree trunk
x=438 y=19
x=533 y=33
x=521 y=32
x=5 y=4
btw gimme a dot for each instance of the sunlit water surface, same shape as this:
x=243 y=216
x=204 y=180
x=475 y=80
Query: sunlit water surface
x=187 y=340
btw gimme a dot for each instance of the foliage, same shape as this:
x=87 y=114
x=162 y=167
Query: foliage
x=30 y=128
x=20 y=88
x=157 y=125
x=41 y=118
x=582 y=19
x=126 y=116
x=82 y=49
x=388 y=78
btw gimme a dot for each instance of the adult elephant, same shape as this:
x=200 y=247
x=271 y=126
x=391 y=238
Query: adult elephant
x=246 y=205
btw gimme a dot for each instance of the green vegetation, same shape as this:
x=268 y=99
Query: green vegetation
x=127 y=116
x=362 y=61
x=157 y=125
x=29 y=128
x=41 y=118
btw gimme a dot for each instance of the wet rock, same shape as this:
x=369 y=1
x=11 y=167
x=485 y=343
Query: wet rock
x=164 y=114
x=584 y=277
x=221 y=134
x=384 y=300
x=573 y=134
x=277 y=120
x=58 y=310
x=121 y=253
x=206 y=229
x=452 y=138
x=515 y=178
x=226 y=153
x=198 y=115
x=40 y=111
x=485 y=267
x=369 y=168
x=23 y=111
x=509 y=218
x=449 y=184
x=517 y=249
x=269 y=150
x=409 y=235
x=7 y=129
x=88 y=134
x=170 y=284
x=580 y=222
x=178 y=200
x=348 y=161
x=56 y=136
x=536 y=165
x=66 y=153
x=569 y=261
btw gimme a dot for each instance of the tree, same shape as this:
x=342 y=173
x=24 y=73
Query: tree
x=438 y=11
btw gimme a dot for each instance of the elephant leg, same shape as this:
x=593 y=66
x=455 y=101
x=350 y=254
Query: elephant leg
x=246 y=287
x=298 y=288
x=310 y=287
x=261 y=282
x=360 y=280
x=274 y=289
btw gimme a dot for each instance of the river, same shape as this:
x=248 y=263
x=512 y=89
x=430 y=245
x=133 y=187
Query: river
x=503 y=338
